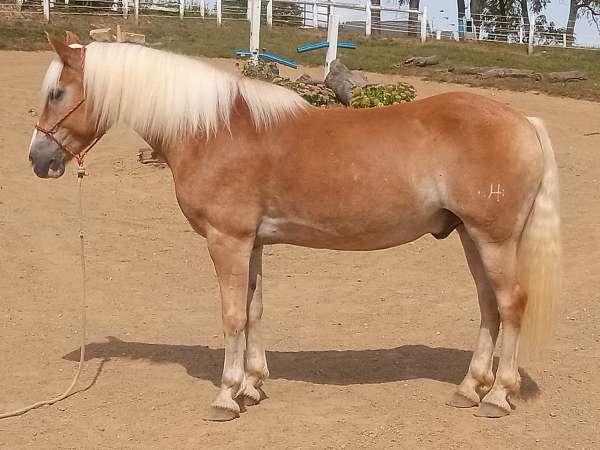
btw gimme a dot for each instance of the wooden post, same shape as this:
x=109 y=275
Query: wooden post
x=136 y=11
x=255 y=30
x=202 y=8
x=424 y=25
x=181 y=9
x=270 y=13
x=332 y=39
x=46 y=5
x=368 y=22
x=315 y=9
x=125 y=9
x=219 y=13
x=565 y=40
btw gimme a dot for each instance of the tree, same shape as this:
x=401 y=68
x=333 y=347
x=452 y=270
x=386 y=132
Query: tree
x=414 y=27
x=477 y=8
x=582 y=8
x=376 y=17
x=502 y=19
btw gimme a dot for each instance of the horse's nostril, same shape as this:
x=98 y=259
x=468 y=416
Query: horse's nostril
x=30 y=159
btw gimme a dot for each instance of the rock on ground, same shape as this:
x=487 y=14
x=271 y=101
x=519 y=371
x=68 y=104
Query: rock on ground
x=422 y=61
x=342 y=81
x=572 y=75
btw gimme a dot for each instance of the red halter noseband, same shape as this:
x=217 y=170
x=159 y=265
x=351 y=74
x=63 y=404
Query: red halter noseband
x=50 y=132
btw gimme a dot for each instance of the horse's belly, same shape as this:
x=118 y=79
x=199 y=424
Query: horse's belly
x=357 y=235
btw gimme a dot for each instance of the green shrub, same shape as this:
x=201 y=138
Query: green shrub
x=375 y=95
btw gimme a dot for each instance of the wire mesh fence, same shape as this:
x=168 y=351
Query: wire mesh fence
x=359 y=16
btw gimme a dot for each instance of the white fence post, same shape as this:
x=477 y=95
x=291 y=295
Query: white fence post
x=531 y=34
x=521 y=31
x=565 y=40
x=255 y=29
x=521 y=34
x=368 y=22
x=424 y=24
x=249 y=10
x=46 y=4
x=332 y=39
x=181 y=9
x=136 y=11
x=219 y=13
x=315 y=9
x=270 y=13
x=202 y=8
x=125 y=8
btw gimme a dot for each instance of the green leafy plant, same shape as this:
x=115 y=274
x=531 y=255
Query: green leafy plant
x=376 y=95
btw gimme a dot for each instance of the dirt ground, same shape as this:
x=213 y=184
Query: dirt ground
x=364 y=348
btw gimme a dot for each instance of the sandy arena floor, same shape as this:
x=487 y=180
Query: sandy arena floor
x=364 y=348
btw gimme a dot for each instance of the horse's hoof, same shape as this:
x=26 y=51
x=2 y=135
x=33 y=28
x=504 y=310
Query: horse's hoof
x=458 y=400
x=491 y=410
x=215 y=414
x=253 y=396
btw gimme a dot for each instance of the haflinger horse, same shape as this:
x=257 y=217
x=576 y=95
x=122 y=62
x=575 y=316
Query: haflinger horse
x=254 y=165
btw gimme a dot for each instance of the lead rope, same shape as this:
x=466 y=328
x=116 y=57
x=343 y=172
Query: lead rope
x=80 y=174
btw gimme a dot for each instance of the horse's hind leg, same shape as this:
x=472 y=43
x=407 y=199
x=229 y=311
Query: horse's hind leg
x=500 y=262
x=256 y=361
x=479 y=378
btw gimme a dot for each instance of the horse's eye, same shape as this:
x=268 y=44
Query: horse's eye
x=56 y=94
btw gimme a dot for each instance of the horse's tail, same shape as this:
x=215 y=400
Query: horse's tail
x=540 y=254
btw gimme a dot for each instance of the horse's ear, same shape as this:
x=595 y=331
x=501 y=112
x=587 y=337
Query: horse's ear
x=72 y=38
x=69 y=56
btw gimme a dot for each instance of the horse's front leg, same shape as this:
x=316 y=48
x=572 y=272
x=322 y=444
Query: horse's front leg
x=231 y=257
x=256 y=361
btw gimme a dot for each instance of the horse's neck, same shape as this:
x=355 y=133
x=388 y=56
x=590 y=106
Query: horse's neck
x=190 y=150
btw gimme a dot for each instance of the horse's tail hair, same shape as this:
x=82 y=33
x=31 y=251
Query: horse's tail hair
x=540 y=254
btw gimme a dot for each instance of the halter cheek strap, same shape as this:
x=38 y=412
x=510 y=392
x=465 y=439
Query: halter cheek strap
x=50 y=132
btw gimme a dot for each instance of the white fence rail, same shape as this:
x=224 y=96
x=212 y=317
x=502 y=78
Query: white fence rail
x=361 y=16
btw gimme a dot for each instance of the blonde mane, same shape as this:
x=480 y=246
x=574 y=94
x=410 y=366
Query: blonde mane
x=166 y=96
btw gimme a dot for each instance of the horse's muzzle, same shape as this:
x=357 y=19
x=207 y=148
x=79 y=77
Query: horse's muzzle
x=47 y=158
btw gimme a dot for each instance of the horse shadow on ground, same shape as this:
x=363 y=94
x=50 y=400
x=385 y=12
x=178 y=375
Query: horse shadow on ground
x=333 y=367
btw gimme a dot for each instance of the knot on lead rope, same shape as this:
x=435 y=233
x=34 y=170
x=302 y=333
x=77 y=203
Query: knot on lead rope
x=81 y=172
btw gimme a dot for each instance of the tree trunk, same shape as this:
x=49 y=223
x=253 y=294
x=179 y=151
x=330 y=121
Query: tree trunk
x=573 y=9
x=414 y=26
x=525 y=14
x=477 y=7
x=460 y=6
x=376 y=18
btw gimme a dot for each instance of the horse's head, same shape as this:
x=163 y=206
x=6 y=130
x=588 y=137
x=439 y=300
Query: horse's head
x=65 y=129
